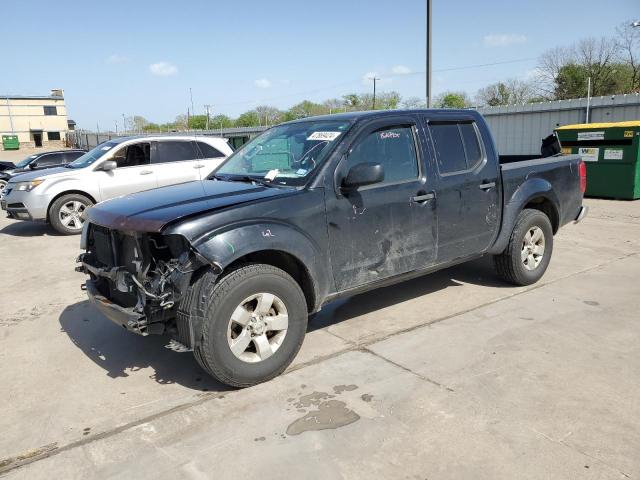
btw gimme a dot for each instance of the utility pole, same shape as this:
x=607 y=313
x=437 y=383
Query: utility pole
x=375 y=79
x=13 y=132
x=193 y=112
x=588 y=97
x=116 y=124
x=124 y=124
x=207 y=107
x=428 y=71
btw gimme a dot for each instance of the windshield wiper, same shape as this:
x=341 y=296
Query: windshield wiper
x=244 y=179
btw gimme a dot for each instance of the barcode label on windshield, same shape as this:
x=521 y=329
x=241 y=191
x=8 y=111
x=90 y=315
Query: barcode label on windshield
x=328 y=136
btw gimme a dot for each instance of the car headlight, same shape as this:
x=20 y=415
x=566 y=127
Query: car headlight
x=28 y=186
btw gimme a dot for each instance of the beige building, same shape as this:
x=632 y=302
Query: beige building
x=38 y=121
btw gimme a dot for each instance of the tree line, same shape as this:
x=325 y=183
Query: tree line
x=610 y=64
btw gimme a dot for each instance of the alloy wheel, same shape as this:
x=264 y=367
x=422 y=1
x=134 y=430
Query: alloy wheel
x=257 y=327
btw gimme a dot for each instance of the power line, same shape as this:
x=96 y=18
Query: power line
x=388 y=75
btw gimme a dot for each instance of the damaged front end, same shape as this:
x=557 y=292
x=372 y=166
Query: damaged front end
x=138 y=279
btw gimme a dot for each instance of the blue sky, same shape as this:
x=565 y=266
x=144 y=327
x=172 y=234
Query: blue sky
x=141 y=57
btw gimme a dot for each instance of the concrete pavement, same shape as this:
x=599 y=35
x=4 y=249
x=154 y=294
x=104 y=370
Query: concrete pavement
x=455 y=375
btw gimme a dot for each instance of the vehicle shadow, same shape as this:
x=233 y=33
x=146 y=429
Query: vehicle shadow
x=477 y=272
x=29 y=229
x=121 y=353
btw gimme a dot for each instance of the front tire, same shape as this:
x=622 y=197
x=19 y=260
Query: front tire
x=65 y=214
x=528 y=253
x=254 y=323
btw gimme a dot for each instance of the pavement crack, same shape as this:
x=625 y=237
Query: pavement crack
x=406 y=369
x=577 y=450
x=18 y=461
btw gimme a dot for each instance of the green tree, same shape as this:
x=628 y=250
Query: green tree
x=197 y=122
x=452 y=100
x=221 y=121
x=304 y=109
x=248 y=119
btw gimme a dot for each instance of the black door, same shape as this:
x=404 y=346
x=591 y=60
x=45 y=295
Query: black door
x=467 y=189
x=387 y=228
x=37 y=139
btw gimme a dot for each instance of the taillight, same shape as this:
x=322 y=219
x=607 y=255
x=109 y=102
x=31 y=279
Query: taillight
x=582 y=168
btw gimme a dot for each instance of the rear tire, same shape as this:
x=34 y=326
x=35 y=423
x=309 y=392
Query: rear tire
x=65 y=214
x=254 y=323
x=3 y=183
x=528 y=253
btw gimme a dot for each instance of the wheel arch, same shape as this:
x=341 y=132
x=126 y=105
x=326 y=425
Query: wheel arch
x=276 y=244
x=534 y=193
x=68 y=192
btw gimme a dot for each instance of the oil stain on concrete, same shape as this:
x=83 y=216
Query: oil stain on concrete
x=328 y=412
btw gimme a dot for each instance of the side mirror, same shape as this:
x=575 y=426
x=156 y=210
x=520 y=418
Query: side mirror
x=108 y=166
x=363 y=174
x=33 y=165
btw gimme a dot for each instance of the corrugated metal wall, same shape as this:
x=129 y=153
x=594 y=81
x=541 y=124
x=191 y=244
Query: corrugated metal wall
x=519 y=129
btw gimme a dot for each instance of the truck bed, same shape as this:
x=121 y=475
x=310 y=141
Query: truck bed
x=548 y=170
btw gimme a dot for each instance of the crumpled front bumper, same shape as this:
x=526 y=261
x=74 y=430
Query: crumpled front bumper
x=125 y=317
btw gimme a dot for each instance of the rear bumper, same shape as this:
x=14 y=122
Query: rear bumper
x=125 y=317
x=581 y=213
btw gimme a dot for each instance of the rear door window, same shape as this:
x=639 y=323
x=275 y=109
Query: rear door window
x=471 y=144
x=175 y=151
x=208 y=151
x=72 y=156
x=49 y=160
x=448 y=146
x=456 y=145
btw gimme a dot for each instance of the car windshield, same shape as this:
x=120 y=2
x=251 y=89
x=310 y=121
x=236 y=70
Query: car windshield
x=284 y=155
x=26 y=161
x=92 y=155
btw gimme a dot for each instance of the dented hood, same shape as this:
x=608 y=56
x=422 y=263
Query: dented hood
x=152 y=210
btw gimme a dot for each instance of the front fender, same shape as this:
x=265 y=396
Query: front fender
x=527 y=191
x=62 y=185
x=225 y=247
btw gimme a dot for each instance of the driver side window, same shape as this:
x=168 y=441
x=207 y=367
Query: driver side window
x=392 y=147
x=133 y=155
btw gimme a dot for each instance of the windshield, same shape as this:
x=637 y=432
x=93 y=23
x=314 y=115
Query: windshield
x=286 y=154
x=92 y=155
x=26 y=161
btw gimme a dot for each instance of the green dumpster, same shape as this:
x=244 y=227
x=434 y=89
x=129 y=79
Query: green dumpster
x=10 y=142
x=611 y=153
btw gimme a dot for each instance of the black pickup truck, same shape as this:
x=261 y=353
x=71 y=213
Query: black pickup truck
x=315 y=209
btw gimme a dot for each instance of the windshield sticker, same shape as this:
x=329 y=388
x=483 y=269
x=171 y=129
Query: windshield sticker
x=326 y=136
x=271 y=175
x=302 y=172
x=385 y=135
x=106 y=148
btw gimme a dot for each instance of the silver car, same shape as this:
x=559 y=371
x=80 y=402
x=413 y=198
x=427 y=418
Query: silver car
x=117 y=167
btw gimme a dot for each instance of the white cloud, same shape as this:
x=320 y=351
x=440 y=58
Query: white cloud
x=116 y=59
x=163 y=69
x=401 y=70
x=262 y=83
x=503 y=39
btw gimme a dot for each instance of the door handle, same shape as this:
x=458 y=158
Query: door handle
x=487 y=186
x=425 y=197
x=198 y=166
x=146 y=172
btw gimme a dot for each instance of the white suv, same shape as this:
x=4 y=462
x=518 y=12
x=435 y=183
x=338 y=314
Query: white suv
x=117 y=167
